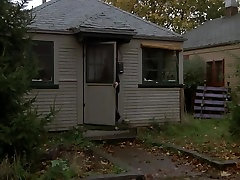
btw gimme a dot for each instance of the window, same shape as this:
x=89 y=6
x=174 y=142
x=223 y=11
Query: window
x=44 y=53
x=100 y=63
x=159 y=66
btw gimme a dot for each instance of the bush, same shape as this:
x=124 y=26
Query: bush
x=235 y=121
x=194 y=75
x=234 y=105
x=194 y=72
x=21 y=127
x=59 y=170
x=14 y=170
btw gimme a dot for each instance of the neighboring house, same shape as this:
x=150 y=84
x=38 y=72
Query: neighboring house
x=218 y=43
x=85 y=46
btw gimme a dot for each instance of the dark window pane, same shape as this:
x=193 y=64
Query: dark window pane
x=160 y=66
x=219 y=71
x=209 y=72
x=44 y=52
x=100 y=63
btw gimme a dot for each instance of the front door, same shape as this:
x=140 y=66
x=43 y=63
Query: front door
x=215 y=73
x=100 y=94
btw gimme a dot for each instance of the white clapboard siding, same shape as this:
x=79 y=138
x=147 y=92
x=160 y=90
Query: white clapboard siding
x=141 y=106
x=67 y=54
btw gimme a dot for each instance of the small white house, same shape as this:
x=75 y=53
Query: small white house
x=101 y=65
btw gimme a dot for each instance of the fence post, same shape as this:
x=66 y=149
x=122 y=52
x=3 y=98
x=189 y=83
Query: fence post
x=203 y=98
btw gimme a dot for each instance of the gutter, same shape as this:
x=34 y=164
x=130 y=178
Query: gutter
x=130 y=32
x=105 y=30
x=62 y=32
x=163 y=38
x=212 y=45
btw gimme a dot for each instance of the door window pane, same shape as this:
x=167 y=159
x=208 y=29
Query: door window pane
x=100 y=63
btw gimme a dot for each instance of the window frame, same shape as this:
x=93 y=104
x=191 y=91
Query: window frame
x=114 y=46
x=145 y=84
x=46 y=84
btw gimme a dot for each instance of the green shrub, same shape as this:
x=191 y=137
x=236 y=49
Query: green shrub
x=234 y=105
x=21 y=127
x=71 y=137
x=59 y=170
x=194 y=75
x=14 y=170
x=235 y=121
x=194 y=72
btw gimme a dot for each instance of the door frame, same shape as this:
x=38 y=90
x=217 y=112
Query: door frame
x=85 y=44
x=215 y=73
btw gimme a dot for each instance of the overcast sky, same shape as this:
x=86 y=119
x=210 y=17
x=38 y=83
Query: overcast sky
x=34 y=3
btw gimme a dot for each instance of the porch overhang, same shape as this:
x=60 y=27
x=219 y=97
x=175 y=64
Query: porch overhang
x=108 y=34
x=169 y=45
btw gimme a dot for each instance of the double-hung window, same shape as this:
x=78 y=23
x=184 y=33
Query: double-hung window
x=44 y=54
x=159 y=66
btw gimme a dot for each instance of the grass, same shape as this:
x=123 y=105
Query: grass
x=210 y=137
x=75 y=150
x=66 y=155
x=73 y=137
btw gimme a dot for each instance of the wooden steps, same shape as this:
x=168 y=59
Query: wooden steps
x=210 y=102
x=100 y=135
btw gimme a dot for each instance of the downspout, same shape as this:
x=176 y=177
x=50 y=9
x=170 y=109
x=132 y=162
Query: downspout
x=83 y=50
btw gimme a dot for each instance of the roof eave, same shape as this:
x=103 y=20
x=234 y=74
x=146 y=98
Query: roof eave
x=36 y=30
x=211 y=45
x=110 y=31
x=162 y=38
x=104 y=30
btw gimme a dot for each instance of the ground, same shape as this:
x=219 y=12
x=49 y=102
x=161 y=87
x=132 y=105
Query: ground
x=152 y=162
x=209 y=137
x=157 y=163
x=69 y=155
x=75 y=151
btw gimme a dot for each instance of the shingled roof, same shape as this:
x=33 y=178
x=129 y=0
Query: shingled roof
x=73 y=16
x=217 y=32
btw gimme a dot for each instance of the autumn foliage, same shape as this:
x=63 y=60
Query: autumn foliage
x=177 y=15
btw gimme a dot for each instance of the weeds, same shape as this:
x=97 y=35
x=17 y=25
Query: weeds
x=59 y=170
x=69 y=138
x=208 y=136
x=13 y=170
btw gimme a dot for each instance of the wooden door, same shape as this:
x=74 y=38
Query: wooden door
x=215 y=73
x=100 y=94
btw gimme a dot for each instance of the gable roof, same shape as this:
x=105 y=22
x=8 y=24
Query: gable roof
x=217 y=32
x=74 y=16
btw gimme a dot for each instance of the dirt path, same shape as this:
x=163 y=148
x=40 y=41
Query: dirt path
x=155 y=163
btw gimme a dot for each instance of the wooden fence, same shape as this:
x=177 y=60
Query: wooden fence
x=210 y=102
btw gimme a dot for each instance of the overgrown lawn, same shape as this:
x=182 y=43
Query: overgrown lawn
x=66 y=155
x=210 y=137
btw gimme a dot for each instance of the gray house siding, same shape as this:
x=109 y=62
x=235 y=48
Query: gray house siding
x=141 y=106
x=67 y=73
x=138 y=106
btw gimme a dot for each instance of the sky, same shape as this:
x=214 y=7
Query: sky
x=34 y=3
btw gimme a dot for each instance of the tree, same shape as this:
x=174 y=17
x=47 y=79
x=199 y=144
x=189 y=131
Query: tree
x=21 y=127
x=177 y=15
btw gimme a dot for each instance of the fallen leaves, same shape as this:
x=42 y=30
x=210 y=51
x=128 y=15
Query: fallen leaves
x=225 y=174
x=105 y=162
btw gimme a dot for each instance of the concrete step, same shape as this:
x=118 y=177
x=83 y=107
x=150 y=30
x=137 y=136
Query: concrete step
x=109 y=135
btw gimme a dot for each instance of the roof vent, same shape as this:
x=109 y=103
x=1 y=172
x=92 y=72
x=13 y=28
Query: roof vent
x=43 y=1
x=231 y=7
